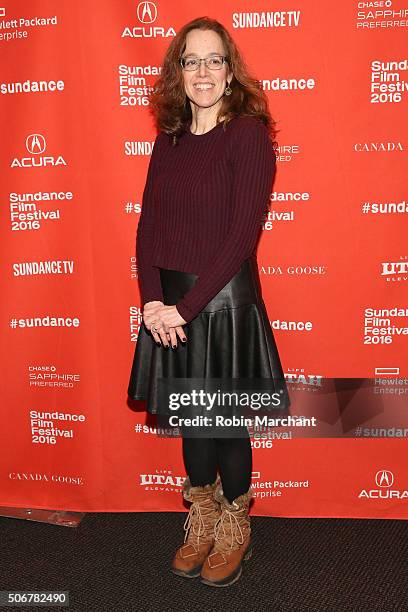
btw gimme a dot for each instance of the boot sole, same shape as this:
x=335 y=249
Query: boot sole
x=194 y=573
x=232 y=577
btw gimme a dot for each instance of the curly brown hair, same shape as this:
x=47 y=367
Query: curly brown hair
x=168 y=100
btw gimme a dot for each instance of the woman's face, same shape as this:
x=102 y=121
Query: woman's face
x=201 y=44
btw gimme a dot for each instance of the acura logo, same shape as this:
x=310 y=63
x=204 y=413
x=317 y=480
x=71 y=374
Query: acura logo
x=384 y=478
x=35 y=144
x=146 y=12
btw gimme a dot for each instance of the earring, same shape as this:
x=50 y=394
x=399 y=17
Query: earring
x=228 y=90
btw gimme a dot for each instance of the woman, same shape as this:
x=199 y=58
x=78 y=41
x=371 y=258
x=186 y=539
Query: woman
x=207 y=191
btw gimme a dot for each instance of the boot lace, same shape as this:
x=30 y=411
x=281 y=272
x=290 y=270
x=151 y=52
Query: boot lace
x=228 y=530
x=200 y=522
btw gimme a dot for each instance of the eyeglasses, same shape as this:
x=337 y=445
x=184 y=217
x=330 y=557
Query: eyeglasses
x=215 y=62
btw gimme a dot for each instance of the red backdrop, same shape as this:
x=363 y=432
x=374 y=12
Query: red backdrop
x=76 y=141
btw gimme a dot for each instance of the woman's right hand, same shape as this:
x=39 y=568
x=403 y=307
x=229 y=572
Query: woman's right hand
x=150 y=313
x=165 y=333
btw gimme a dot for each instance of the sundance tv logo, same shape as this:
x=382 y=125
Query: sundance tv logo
x=36 y=145
x=384 y=480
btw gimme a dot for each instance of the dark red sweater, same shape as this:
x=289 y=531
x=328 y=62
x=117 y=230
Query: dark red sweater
x=202 y=209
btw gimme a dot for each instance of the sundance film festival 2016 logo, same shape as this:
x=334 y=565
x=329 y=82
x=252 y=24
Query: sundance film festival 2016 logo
x=146 y=14
x=36 y=145
x=380 y=326
x=388 y=81
x=384 y=480
x=135 y=322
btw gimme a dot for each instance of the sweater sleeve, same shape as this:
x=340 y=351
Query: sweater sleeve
x=253 y=168
x=149 y=276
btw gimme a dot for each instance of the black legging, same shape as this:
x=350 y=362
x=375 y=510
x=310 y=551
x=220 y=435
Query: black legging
x=232 y=456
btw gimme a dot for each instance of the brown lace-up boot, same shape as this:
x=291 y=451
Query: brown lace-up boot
x=232 y=543
x=199 y=527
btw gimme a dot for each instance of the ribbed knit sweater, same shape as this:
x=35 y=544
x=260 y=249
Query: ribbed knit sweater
x=202 y=208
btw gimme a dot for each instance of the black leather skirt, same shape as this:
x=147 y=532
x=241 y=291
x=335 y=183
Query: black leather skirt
x=231 y=338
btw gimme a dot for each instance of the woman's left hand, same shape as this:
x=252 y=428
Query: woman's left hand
x=170 y=316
